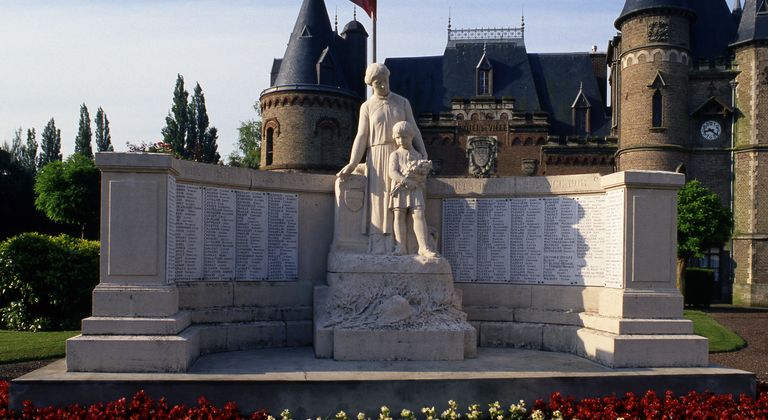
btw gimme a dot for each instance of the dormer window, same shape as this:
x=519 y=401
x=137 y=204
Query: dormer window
x=484 y=76
x=581 y=114
x=762 y=9
x=326 y=69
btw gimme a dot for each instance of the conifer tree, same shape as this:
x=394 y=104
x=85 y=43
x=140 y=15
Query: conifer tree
x=193 y=147
x=50 y=144
x=84 y=134
x=205 y=136
x=29 y=160
x=103 y=137
x=177 y=121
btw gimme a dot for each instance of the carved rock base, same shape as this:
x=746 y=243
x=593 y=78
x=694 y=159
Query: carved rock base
x=390 y=308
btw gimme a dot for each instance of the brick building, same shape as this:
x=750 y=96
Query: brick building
x=688 y=93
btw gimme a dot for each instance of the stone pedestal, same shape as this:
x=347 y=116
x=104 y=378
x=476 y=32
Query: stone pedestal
x=378 y=307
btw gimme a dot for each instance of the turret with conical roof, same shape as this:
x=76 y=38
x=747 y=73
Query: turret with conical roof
x=309 y=113
x=653 y=61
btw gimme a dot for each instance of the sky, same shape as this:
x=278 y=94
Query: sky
x=124 y=55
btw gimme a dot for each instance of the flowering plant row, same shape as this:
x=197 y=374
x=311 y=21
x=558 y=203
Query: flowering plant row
x=649 y=406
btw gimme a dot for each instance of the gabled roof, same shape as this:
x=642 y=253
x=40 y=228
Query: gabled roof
x=711 y=104
x=512 y=75
x=581 y=100
x=559 y=77
x=632 y=7
x=754 y=22
x=311 y=35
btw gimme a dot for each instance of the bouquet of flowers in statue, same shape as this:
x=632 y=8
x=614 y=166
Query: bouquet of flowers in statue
x=415 y=171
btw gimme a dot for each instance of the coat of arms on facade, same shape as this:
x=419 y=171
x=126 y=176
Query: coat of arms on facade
x=482 y=153
x=658 y=32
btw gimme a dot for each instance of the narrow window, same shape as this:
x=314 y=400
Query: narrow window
x=270 y=139
x=658 y=104
x=581 y=117
x=484 y=82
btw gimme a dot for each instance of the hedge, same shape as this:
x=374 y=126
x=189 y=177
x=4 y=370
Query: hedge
x=46 y=281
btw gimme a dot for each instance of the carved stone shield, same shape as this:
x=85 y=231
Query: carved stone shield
x=482 y=154
x=354 y=199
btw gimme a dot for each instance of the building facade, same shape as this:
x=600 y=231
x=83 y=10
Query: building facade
x=682 y=87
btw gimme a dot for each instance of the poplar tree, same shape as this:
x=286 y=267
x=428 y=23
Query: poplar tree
x=205 y=136
x=84 y=134
x=177 y=121
x=103 y=137
x=50 y=144
x=17 y=148
x=29 y=159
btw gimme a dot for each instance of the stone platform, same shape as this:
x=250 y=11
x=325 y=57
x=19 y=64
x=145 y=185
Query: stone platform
x=293 y=378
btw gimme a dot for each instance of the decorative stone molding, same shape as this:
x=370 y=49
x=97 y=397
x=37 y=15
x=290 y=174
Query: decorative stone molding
x=655 y=55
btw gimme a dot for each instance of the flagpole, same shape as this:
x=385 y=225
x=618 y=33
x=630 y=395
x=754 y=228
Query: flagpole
x=373 y=16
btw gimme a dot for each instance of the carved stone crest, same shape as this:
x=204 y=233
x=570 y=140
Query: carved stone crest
x=482 y=153
x=658 y=32
x=529 y=166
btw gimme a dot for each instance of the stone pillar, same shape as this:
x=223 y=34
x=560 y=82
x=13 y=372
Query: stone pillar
x=136 y=324
x=644 y=317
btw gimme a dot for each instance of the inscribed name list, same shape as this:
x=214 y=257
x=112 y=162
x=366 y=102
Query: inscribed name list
x=553 y=240
x=218 y=234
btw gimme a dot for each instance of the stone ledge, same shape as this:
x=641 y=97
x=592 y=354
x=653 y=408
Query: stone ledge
x=133 y=353
x=136 y=326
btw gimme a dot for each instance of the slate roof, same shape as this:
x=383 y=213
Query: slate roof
x=311 y=35
x=634 y=6
x=558 y=78
x=537 y=82
x=754 y=25
x=713 y=30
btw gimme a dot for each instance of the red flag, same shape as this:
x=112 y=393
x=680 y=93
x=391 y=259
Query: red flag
x=368 y=5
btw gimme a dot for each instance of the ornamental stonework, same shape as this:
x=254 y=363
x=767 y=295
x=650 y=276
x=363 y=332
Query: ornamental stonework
x=658 y=32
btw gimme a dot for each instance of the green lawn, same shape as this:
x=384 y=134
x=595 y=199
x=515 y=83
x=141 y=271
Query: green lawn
x=721 y=339
x=25 y=346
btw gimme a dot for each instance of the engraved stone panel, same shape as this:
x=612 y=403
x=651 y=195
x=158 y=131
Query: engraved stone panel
x=553 y=240
x=189 y=233
x=170 y=232
x=219 y=233
x=252 y=239
x=283 y=236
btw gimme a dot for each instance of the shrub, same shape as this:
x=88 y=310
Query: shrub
x=699 y=283
x=46 y=281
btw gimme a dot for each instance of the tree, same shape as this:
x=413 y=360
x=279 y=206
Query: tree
x=187 y=126
x=84 y=134
x=68 y=192
x=248 y=143
x=103 y=137
x=702 y=223
x=177 y=121
x=17 y=148
x=206 y=136
x=50 y=144
x=29 y=159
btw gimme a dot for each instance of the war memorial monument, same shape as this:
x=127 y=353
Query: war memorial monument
x=379 y=284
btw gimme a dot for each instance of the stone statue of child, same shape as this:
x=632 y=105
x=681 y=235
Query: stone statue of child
x=408 y=172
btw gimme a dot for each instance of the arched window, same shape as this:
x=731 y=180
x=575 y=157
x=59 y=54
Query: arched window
x=658 y=108
x=268 y=148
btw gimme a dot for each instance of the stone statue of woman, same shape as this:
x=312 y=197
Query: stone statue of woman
x=378 y=116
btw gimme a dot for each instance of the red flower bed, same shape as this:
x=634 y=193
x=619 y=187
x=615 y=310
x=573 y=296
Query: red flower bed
x=139 y=407
x=650 y=406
